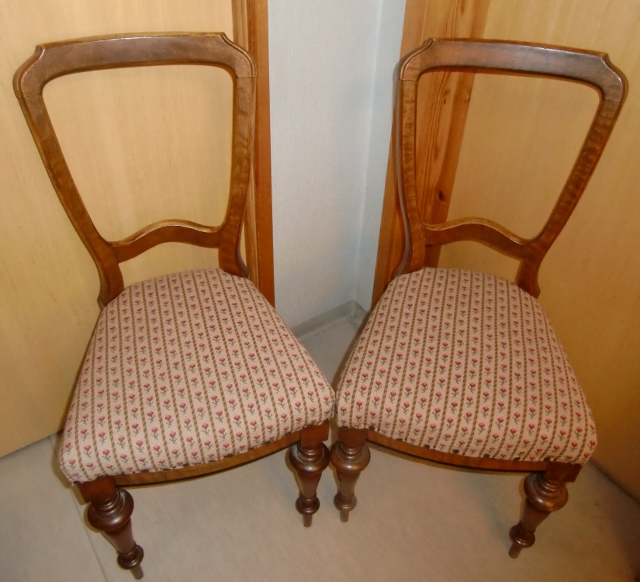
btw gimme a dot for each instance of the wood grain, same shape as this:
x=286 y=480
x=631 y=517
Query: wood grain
x=589 y=68
x=443 y=105
x=251 y=29
x=54 y=60
x=45 y=328
x=110 y=508
x=545 y=488
x=590 y=280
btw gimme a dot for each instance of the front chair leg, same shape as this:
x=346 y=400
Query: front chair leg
x=349 y=455
x=110 y=511
x=309 y=458
x=545 y=492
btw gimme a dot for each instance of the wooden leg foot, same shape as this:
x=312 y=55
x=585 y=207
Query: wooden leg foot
x=110 y=512
x=545 y=493
x=309 y=458
x=349 y=455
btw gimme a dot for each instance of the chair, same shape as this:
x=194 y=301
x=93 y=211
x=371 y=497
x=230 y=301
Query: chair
x=189 y=373
x=460 y=367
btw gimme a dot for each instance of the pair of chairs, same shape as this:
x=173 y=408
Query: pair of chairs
x=195 y=372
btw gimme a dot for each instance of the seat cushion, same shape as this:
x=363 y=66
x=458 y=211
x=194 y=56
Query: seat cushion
x=466 y=363
x=187 y=369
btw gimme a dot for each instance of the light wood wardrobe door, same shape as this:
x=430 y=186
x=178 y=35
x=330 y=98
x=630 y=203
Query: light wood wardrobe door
x=142 y=144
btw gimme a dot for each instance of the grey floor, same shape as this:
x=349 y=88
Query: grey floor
x=414 y=521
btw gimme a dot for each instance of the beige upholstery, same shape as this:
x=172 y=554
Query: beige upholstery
x=186 y=369
x=466 y=363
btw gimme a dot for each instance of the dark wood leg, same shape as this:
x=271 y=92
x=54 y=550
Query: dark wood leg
x=349 y=455
x=309 y=458
x=546 y=492
x=110 y=511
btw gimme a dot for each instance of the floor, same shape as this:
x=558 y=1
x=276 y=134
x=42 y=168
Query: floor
x=414 y=521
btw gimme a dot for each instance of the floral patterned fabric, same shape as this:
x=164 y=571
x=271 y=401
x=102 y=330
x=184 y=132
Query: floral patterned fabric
x=187 y=369
x=466 y=363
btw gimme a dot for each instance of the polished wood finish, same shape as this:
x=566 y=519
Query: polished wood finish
x=57 y=59
x=590 y=68
x=441 y=116
x=110 y=507
x=110 y=511
x=350 y=456
x=309 y=458
x=545 y=487
x=545 y=492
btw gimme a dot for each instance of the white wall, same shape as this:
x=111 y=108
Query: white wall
x=387 y=57
x=331 y=66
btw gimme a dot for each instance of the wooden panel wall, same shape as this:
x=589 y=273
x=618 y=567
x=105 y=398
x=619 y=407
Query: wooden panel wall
x=519 y=140
x=115 y=126
x=441 y=119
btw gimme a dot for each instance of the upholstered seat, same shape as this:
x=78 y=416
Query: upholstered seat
x=193 y=372
x=466 y=363
x=461 y=367
x=187 y=369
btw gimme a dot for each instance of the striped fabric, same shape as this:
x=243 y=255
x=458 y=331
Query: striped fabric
x=466 y=363
x=187 y=369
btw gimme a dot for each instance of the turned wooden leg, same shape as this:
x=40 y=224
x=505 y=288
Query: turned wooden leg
x=110 y=511
x=349 y=455
x=309 y=458
x=545 y=492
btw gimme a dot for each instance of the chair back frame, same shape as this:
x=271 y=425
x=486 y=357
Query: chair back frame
x=591 y=68
x=53 y=60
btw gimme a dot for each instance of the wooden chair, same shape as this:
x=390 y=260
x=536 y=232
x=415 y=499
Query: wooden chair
x=189 y=373
x=461 y=367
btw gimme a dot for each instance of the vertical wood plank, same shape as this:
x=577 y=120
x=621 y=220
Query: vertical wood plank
x=442 y=111
x=251 y=30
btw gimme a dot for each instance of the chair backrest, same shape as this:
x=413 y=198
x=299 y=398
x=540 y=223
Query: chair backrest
x=64 y=58
x=590 y=68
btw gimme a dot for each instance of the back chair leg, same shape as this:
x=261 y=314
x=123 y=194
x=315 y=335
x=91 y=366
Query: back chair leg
x=349 y=455
x=309 y=458
x=545 y=492
x=110 y=511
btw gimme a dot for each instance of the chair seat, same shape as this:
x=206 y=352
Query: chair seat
x=466 y=363
x=186 y=369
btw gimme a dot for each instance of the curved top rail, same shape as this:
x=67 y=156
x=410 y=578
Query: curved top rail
x=590 y=67
x=56 y=59
x=490 y=56
x=53 y=60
